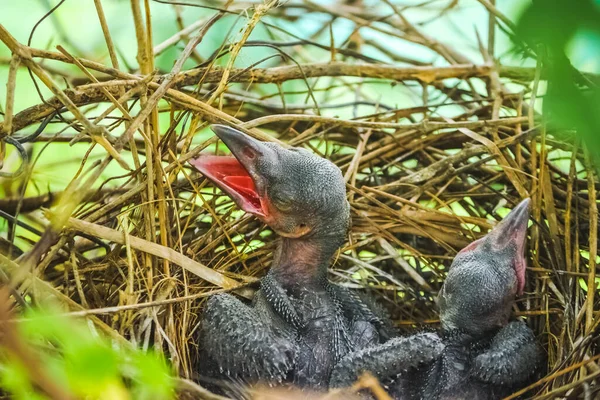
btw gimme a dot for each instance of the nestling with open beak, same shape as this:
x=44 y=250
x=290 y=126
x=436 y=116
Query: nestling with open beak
x=299 y=325
x=479 y=354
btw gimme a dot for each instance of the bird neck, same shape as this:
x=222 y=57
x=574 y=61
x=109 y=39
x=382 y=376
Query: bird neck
x=460 y=339
x=457 y=337
x=305 y=260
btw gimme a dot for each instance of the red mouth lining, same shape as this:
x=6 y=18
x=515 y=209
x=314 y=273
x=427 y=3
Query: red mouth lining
x=231 y=176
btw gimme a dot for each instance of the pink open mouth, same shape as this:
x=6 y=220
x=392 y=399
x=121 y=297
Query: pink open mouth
x=231 y=177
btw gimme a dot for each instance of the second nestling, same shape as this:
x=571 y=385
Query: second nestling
x=478 y=355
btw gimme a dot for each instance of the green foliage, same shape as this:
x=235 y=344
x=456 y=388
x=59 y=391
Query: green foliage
x=549 y=27
x=75 y=357
x=15 y=380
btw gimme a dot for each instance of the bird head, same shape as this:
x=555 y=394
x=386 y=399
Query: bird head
x=295 y=192
x=485 y=277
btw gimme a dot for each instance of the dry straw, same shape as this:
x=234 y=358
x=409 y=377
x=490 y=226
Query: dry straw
x=422 y=181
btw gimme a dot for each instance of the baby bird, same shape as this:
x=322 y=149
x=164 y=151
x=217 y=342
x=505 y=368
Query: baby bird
x=479 y=354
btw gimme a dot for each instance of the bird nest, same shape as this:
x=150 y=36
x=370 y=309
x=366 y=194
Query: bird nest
x=137 y=240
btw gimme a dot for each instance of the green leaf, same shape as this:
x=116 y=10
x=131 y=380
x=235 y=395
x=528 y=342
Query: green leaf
x=153 y=379
x=571 y=102
x=91 y=366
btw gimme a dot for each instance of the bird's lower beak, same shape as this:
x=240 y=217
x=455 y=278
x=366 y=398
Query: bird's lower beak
x=237 y=175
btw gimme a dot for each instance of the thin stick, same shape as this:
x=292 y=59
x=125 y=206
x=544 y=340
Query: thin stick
x=109 y=42
x=593 y=241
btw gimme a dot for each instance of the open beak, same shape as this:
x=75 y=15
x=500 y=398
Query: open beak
x=512 y=231
x=237 y=175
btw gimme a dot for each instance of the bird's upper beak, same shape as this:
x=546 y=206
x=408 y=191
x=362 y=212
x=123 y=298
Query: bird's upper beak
x=237 y=175
x=513 y=228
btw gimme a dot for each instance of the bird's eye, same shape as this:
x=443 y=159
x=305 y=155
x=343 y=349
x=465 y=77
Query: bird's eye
x=284 y=203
